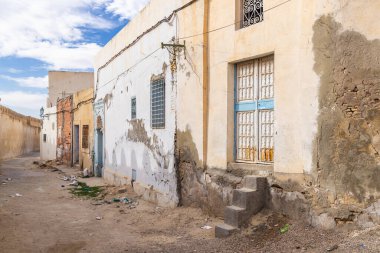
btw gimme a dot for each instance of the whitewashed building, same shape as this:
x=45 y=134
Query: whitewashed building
x=193 y=95
x=48 y=142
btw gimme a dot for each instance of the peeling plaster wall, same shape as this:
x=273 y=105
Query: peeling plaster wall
x=19 y=134
x=309 y=96
x=348 y=143
x=132 y=144
x=49 y=127
x=343 y=43
x=98 y=137
x=64 y=130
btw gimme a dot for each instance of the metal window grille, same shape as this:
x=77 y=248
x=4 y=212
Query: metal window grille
x=246 y=138
x=266 y=78
x=245 y=80
x=85 y=136
x=133 y=108
x=254 y=108
x=44 y=136
x=266 y=135
x=253 y=12
x=157 y=98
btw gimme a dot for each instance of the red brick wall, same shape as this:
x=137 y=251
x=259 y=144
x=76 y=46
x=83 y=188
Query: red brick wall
x=64 y=123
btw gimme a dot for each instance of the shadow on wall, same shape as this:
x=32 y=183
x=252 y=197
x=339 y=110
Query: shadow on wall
x=207 y=188
x=346 y=155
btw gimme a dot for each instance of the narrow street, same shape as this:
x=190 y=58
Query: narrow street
x=37 y=214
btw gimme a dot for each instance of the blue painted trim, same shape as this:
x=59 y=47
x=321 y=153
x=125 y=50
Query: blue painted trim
x=235 y=119
x=267 y=104
x=245 y=106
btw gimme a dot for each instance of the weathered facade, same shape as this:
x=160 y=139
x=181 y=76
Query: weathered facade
x=285 y=89
x=62 y=85
x=49 y=134
x=83 y=129
x=19 y=134
x=65 y=130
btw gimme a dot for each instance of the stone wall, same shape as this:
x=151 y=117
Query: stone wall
x=347 y=159
x=19 y=134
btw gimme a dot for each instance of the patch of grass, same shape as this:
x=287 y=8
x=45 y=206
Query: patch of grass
x=83 y=190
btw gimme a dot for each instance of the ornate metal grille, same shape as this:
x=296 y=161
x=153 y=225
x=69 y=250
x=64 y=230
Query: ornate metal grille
x=253 y=12
x=157 y=98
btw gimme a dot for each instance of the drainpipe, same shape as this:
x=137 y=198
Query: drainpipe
x=206 y=13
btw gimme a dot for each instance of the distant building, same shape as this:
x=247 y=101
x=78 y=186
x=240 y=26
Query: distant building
x=83 y=129
x=65 y=83
x=49 y=134
x=56 y=133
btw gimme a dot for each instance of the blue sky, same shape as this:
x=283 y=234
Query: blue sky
x=41 y=35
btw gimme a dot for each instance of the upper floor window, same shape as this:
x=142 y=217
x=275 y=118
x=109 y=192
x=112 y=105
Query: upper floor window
x=133 y=108
x=252 y=12
x=157 y=103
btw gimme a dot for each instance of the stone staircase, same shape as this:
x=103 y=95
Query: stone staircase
x=246 y=201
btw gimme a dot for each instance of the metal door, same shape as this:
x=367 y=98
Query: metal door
x=254 y=110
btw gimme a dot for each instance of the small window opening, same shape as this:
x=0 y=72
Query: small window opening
x=157 y=102
x=133 y=108
x=252 y=12
x=85 y=136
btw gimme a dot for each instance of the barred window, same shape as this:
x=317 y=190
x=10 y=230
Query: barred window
x=157 y=103
x=253 y=12
x=44 y=137
x=85 y=136
x=133 y=108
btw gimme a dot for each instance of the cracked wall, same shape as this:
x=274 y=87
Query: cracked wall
x=347 y=146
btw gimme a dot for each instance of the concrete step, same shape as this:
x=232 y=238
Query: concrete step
x=257 y=183
x=242 y=197
x=246 y=202
x=224 y=230
x=234 y=216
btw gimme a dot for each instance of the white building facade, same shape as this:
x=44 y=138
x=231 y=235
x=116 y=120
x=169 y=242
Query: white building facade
x=48 y=149
x=237 y=86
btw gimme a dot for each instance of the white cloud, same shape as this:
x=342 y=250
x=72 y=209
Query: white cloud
x=125 y=9
x=52 y=31
x=63 y=55
x=23 y=102
x=31 y=82
x=13 y=70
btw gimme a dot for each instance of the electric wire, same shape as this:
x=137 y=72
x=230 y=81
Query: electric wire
x=174 y=13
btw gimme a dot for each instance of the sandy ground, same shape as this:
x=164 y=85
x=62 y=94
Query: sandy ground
x=48 y=218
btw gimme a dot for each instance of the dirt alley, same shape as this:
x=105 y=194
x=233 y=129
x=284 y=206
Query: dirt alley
x=48 y=218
